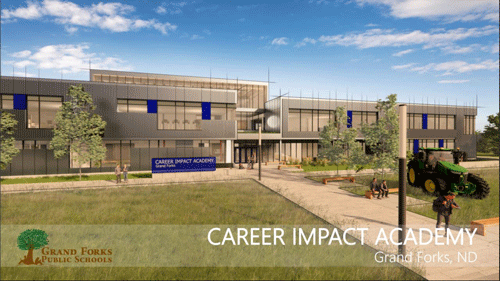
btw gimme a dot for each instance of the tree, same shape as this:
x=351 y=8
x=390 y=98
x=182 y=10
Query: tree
x=338 y=143
x=491 y=134
x=7 y=145
x=77 y=130
x=29 y=240
x=383 y=136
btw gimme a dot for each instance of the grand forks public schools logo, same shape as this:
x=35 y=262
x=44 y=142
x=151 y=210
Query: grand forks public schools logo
x=29 y=240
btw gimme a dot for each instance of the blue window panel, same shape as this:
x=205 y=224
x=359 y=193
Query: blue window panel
x=441 y=143
x=206 y=110
x=424 y=121
x=349 y=119
x=152 y=106
x=20 y=102
x=415 y=146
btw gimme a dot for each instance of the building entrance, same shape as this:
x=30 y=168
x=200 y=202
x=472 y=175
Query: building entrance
x=242 y=154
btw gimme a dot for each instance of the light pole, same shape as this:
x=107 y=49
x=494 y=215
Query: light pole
x=402 y=179
x=260 y=151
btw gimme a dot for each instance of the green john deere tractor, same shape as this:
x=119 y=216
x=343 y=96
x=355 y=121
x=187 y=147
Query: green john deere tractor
x=434 y=170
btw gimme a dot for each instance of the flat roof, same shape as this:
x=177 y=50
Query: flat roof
x=176 y=77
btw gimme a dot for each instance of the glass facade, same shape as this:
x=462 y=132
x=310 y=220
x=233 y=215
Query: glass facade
x=432 y=143
x=434 y=121
x=7 y=101
x=469 y=124
x=306 y=120
x=41 y=111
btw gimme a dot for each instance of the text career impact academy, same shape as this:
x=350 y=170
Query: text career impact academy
x=324 y=236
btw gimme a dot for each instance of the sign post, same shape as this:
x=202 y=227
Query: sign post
x=402 y=179
x=260 y=151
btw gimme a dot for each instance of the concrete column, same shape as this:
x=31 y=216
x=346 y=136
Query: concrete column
x=229 y=151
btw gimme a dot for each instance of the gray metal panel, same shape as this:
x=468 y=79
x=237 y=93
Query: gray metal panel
x=51 y=163
x=193 y=95
x=121 y=91
x=138 y=92
x=19 y=86
x=6 y=86
x=28 y=161
x=135 y=158
x=145 y=162
x=40 y=162
x=205 y=95
x=154 y=153
x=152 y=92
x=32 y=87
x=16 y=166
x=63 y=165
x=166 y=93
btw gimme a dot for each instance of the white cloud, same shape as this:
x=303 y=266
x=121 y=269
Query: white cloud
x=453 y=81
x=454 y=49
x=112 y=16
x=196 y=37
x=207 y=32
x=371 y=25
x=23 y=74
x=403 y=66
x=21 y=54
x=70 y=59
x=280 y=41
x=402 y=53
x=494 y=49
x=389 y=38
x=71 y=29
x=23 y=64
x=450 y=67
x=305 y=41
x=172 y=8
x=447 y=10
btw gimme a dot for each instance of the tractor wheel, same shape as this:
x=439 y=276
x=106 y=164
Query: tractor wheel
x=482 y=187
x=412 y=176
x=434 y=185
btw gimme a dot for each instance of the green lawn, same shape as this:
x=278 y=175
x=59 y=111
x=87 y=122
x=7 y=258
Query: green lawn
x=488 y=154
x=242 y=202
x=471 y=209
x=72 y=178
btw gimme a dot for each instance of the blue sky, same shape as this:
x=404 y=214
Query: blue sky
x=437 y=51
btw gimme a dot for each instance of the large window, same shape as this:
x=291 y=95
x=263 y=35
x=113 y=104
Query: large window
x=132 y=106
x=41 y=111
x=307 y=120
x=434 y=121
x=469 y=124
x=7 y=101
x=179 y=115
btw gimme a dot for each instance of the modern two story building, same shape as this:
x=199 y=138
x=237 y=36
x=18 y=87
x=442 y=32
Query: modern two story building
x=156 y=115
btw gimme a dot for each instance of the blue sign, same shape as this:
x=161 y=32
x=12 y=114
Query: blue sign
x=152 y=106
x=441 y=143
x=415 y=146
x=176 y=165
x=206 y=110
x=424 y=121
x=349 y=119
x=20 y=102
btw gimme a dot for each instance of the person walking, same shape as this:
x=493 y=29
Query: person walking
x=444 y=206
x=252 y=161
x=118 y=173
x=383 y=190
x=125 y=173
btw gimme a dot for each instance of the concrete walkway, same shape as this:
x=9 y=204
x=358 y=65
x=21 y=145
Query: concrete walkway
x=345 y=209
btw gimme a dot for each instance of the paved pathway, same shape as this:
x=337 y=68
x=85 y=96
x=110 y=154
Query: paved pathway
x=345 y=209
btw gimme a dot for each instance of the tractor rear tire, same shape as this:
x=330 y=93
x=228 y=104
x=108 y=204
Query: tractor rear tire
x=482 y=187
x=434 y=186
x=412 y=176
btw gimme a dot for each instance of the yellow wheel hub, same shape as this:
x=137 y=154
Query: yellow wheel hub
x=430 y=186
x=412 y=176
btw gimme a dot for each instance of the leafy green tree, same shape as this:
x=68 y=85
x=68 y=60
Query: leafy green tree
x=338 y=143
x=77 y=130
x=7 y=147
x=491 y=134
x=29 y=240
x=383 y=136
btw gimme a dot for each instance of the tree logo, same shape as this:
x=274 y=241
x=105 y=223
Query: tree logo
x=29 y=240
